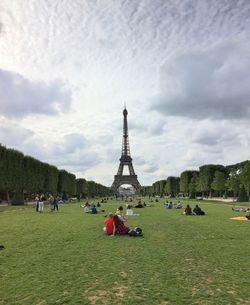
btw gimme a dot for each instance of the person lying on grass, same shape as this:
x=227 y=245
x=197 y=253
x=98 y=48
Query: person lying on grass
x=241 y=209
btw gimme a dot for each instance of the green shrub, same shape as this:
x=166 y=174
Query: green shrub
x=242 y=196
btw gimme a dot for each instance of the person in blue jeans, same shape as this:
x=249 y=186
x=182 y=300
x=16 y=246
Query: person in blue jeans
x=56 y=200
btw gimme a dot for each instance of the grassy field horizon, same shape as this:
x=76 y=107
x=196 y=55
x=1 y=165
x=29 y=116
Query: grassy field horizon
x=65 y=258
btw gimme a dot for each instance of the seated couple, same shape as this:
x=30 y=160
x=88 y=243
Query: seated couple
x=196 y=211
x=114 y=225
x=90 y=208
x=168 y=205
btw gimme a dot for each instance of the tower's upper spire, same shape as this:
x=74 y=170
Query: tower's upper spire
x=125 y=142
x=125 y=111
x=125 y=160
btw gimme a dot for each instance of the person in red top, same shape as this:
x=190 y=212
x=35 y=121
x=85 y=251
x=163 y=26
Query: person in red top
x=109 y=225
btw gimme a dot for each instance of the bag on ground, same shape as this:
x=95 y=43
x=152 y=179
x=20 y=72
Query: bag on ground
x=135 y=232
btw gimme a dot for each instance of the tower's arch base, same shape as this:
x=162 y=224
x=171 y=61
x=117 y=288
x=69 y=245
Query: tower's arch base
x=125 y=179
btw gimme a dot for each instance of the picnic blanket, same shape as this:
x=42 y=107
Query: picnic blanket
x=242 y=218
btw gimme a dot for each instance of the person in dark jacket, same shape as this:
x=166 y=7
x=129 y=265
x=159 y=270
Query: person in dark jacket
x=198 y=211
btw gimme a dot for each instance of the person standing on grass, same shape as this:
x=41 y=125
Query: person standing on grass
x=51 y=202
x=56 y=200
x=37 y=202
x=41 y=203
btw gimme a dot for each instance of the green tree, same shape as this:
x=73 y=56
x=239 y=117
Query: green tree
x=66 y=184
x=242 y=196
x=206 y=177
x=81 y=187
x=219 y=182
x=245 y=177
x=193 y=186
x=173 y=185
x=52 y=177
x=185 y=180
x=233 y=182
x=12 y=173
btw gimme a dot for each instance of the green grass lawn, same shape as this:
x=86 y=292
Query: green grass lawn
x=65 y=258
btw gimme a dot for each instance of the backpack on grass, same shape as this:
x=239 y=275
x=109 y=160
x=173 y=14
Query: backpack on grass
x=135 y=232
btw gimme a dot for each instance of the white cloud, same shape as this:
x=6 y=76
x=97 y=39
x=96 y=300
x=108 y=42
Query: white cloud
x=211 y=83
x=21 y=97
x=108 y=53
x=12 y=135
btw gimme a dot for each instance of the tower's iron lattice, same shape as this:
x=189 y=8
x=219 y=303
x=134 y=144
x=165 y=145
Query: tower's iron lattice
x=125 y=160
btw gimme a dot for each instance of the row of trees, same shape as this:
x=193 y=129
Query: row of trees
x=22 y=175
x=210 y=180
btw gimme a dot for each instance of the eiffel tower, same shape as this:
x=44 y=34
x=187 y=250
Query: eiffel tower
x=125 y=160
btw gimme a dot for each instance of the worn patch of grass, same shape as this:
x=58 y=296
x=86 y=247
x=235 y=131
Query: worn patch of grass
x=64 y=258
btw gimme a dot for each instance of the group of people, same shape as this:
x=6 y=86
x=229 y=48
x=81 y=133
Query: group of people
x=188 y=210
x=170 y=205
x=115 y=224
x=247 y=210
x=241 y=209
x=196 y=211
x=91 y=208
x=53 y=202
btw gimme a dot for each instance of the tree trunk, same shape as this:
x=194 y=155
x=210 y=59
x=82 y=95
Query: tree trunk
x=8 y=197
x=18 y=198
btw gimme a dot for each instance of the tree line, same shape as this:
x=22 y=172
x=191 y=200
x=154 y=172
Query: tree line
x=210 y=180
x=23 y=176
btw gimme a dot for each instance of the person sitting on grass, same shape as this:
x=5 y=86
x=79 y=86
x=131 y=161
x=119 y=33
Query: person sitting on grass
x=179 y=205
x=169 y=205
x=120 y=228
x=197 y=210
x=86 y=207
x=119 y=210
x=119 y=213
x=93 y=209
x=109 y=225
x=130 y=212
x=188 y=210
x=139 y=205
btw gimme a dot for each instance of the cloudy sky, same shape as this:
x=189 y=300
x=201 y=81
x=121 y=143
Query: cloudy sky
x=181 y=66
